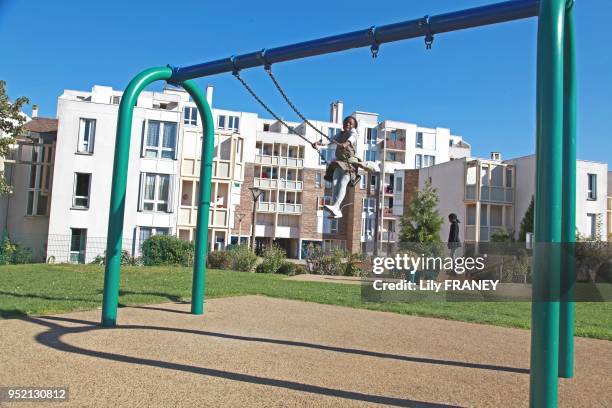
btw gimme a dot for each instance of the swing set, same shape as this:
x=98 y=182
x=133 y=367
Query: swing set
x=552 y=324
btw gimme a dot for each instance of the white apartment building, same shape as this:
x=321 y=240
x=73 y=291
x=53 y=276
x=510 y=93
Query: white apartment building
x=490 y=195
x=610 y=205
x=163 y=176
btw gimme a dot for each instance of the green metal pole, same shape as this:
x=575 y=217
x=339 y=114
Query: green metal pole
x=549 y=156
x=201 y=239
x=568 y=277
x=112 y=272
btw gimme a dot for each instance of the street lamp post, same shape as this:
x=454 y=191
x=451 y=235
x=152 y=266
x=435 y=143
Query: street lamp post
x=255 y=192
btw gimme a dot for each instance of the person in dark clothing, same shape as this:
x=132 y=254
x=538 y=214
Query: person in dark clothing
x=453 y=236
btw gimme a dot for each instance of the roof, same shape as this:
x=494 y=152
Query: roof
x=42 y=125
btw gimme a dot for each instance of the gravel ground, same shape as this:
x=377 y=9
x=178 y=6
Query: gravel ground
x=258 y=351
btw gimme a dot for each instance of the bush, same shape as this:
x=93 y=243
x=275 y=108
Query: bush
x=219 y=260
x=300 y=269
x=126 y=259
x=288 y=268
x=13 y=253
x=273 y=259
x=243 y=259
x=167 y=250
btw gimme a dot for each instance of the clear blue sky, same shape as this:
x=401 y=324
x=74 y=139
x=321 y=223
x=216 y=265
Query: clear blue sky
x=479 y=82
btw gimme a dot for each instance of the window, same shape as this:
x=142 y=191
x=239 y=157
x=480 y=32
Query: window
x=399 y=185
x=78 y=243
x=328 y=184
x=368 y=227
x=115 y=99
x=592 y=226
x=392 y=156
x=145 y=233
x=326 y=156
x=330 y=226
x=369 y=204
x=371 y=135
x=160 y=140
x=39 y=183
x=190 y=116
x=509 y=177
x=429 y=160
x=228 y=122
x=323 y=200
x=419 y=139
x=266 y=127
x=82 y=188
x=332 y=132
x=87 y=131
x=155 y=192
x=418 y=161
x=592 y=186
x=317 y=181
x=369 y=155
x=451 y=143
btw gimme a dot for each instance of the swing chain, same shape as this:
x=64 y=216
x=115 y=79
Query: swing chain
x=290 y=128
x=268 y=69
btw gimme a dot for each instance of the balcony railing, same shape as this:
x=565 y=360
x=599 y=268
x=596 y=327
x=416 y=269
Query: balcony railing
x=265 y=182
x=267 y=159
x=270 y=160
x=388 y=212
x=275 y=183
x=291 y=184
x=490 y=193
x=285 y=208
x=496 y=194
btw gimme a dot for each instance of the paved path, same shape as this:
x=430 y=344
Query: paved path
x=257 y=351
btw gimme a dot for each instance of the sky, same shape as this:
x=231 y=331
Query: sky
x=480 y=83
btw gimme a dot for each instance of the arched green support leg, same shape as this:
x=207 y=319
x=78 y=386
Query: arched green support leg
x=548 y=206
x=112 y=272
x=201 y=240
x=568 y=271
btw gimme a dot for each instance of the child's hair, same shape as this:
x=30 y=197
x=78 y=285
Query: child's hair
x=453 y=217
x=350 y=118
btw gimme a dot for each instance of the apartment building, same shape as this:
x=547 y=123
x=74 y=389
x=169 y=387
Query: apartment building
x=491 y=195
x=74 y=160
x=610 y=205
x=24 y=214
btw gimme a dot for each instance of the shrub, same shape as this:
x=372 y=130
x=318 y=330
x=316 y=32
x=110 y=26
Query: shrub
x=126 y=259
x=13 y=253
x=300 y=269
x=167 y=250
x=243 y=259
x=219 y=260
x=273 y=259
x=288 y=268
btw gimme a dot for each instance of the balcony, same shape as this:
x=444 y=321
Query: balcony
x=396 y=145
x=287 y=208
x=265 y=182
x=269 y=160
x=266 y=159
x=389 y=236
x=291 y=162
x=490 y=194
x=284 y=208
x=282 y=184
x=265 y=206
x=291 y=185
x=387 y=212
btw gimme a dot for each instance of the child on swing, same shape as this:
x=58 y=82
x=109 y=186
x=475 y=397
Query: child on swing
x=345 y=168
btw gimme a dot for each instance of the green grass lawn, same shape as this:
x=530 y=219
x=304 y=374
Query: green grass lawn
x=45 y=289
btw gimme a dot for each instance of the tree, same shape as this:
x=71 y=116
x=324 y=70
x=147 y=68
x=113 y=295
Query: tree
x=11 y=127
x=422 y=222
x=527 y=222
